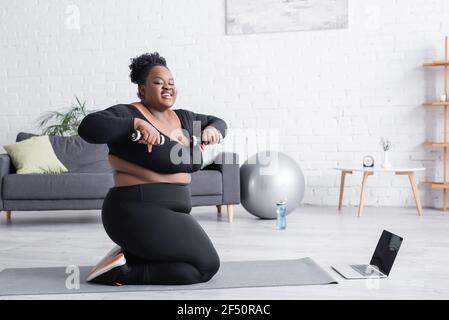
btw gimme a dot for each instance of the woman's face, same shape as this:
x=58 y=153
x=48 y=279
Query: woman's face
x=159 y=90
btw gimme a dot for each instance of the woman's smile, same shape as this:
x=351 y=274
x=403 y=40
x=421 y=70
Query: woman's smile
x=167 y=95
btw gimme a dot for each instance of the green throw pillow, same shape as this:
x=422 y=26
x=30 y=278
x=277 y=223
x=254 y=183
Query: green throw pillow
x=34 y=155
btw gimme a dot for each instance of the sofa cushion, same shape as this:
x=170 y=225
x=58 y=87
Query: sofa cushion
x=34 y=155
x=57 y=186
x=76 y=154
x=206 y=182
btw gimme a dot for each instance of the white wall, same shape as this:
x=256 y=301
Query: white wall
x=331 y=93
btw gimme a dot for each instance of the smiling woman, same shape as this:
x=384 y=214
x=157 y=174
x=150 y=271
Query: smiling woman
x=146 y=213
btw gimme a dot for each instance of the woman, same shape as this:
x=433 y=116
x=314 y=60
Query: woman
x=146 y=213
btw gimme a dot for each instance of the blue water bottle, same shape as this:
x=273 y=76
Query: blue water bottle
x=281 y=207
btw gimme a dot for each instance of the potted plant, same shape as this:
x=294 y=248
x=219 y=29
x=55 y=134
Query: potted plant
x=386 y=146
x=65 y=122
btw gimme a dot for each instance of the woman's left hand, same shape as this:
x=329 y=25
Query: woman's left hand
x=210 y=135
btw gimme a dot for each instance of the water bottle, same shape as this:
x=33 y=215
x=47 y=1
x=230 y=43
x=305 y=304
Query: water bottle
x=281 y=207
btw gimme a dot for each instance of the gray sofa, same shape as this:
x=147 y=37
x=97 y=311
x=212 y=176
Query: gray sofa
x=89 y=177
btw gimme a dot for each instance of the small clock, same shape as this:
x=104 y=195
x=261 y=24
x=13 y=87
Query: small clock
x=368 y=161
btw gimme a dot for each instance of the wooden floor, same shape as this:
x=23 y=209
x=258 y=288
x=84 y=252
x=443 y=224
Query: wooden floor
x=421 y=271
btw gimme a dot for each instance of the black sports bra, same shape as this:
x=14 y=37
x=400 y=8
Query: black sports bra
x=115 y=125
x=165 y=137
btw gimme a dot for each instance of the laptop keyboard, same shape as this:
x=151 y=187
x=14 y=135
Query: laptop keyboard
x=365 y=270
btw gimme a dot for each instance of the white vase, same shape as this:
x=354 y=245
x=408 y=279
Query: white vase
x=386 y=164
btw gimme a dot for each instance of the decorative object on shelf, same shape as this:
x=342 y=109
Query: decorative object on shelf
x=386 y=146
x=368 y=161
x=444 y=104
x=65 y=123
x=443 y=98
x=265 y=179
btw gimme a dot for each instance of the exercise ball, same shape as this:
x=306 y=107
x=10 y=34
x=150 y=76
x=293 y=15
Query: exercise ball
x=267 y=178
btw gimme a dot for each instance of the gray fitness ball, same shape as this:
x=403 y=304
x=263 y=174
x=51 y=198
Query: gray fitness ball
x=267 y=178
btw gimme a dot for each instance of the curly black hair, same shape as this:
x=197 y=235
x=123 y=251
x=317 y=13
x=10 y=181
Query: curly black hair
x=140 y=66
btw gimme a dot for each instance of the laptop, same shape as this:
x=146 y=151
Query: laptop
x=381 y=263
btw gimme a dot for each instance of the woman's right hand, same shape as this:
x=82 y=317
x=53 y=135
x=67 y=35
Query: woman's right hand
x=150 y=135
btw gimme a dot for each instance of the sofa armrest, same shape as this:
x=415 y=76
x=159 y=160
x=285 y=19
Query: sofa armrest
x=5 y=168
x=228 y=164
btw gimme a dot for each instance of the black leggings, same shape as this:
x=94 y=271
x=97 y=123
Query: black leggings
x=162 y=242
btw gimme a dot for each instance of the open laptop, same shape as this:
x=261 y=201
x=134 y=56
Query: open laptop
x=381 y=263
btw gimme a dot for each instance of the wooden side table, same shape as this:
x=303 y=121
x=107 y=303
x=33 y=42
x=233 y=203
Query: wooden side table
x=410 y=172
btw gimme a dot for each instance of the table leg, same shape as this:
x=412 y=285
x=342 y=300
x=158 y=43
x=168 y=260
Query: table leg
x=366 y=174
x=411 y=176
x=342 y=187
x=412 y=179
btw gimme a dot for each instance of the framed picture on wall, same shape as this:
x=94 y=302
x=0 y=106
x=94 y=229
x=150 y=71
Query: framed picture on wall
x=258 y=16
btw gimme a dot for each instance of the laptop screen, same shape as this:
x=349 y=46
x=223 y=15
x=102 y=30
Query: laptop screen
x=386 y=251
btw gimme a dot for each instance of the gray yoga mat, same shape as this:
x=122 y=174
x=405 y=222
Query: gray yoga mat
x=232 y=274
